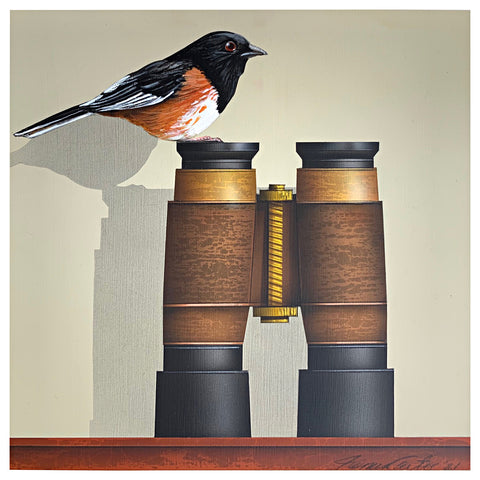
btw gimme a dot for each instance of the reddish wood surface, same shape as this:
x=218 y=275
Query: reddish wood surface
x=208 y=257
x=341 y=252
x=439 y=453
x=345 y=323
x=204 y=324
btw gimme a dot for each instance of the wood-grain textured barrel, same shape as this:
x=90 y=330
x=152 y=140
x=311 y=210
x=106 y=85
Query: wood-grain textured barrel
x=341 y=250
x=209 y=253
x=341 y=256
x=204 y=324
x=208 y=256
x=345 y=323
x=208 y=261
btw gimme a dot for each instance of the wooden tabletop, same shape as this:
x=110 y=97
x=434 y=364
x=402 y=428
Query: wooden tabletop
x=399 y=453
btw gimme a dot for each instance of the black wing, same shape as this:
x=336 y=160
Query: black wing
x=148 y=86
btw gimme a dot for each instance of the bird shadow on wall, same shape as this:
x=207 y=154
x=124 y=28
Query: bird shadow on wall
x=100 y=153
x=96 y=152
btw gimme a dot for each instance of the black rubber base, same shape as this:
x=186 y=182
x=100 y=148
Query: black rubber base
x=202 y=404
x=202 y=357
x=345 y=403
x=347 y=357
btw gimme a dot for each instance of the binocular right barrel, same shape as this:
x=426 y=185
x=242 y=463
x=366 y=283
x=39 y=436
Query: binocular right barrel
x=347 y=389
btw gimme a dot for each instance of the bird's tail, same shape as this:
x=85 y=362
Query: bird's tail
x=51 y=123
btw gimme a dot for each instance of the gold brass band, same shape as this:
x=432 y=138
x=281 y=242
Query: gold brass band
x=215 y=185
x=275 y=311
x=275 y=314
x=276 y=193
x=319 y=185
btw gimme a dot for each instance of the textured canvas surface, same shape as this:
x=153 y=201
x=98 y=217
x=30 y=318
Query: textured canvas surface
x=88 y=206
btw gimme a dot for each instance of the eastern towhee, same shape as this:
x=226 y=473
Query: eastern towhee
x=173 y=99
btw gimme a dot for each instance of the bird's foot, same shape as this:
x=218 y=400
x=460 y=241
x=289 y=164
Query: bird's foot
x=204 y=139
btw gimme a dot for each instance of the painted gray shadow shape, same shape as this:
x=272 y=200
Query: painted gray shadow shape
x=100 y=153
x=127 y=321
x=95 y=152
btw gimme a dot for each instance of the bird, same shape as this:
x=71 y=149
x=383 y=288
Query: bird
x=176 y=98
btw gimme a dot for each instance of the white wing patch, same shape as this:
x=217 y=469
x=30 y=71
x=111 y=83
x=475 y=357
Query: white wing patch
x=110 y=89
x=113 y=87
x=140 y=99
x=136 y=101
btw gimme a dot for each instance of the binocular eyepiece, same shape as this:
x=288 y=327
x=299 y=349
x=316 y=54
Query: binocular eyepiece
x=318 y=250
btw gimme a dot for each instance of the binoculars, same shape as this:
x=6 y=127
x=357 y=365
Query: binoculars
x=318 y=249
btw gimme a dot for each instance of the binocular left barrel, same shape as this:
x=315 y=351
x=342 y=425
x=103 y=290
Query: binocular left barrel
x=203 y=390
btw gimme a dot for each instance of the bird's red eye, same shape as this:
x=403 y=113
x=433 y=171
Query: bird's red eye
x=230 y=46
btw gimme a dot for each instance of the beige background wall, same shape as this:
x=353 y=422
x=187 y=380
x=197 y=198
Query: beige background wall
x=400 y=78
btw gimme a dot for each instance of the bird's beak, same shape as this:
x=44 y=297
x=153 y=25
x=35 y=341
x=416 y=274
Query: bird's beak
x=253 y=51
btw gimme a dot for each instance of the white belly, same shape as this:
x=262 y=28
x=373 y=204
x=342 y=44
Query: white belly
x=199 y=117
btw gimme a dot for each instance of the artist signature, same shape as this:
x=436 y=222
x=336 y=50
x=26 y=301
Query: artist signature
x=408 y=462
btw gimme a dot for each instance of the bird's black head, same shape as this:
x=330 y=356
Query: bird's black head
x=222 y=56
